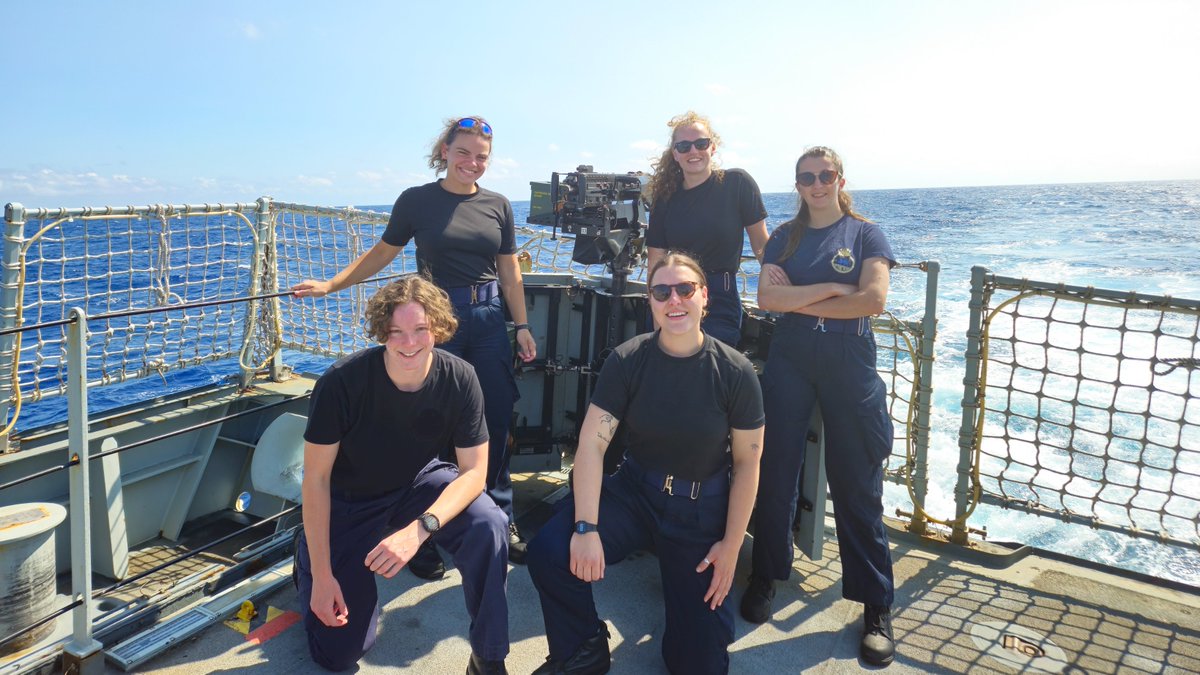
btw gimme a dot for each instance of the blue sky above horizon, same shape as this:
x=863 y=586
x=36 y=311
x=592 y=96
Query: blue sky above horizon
x=146 y=102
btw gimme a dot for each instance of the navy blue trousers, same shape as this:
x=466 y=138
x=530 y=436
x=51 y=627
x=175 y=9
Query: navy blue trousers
x=477 y=540
x=635 y=515
x=724 y=318
x=482 y=340
x=836 y=368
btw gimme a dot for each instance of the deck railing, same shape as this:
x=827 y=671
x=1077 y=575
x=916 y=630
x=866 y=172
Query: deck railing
x=1083 y=405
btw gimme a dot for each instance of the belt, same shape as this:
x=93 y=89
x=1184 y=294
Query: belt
x=859 y=326
x=715 y=485
x=726 y=279
x=474 y=293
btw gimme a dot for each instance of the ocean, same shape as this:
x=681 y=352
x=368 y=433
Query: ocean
x=1139 y=236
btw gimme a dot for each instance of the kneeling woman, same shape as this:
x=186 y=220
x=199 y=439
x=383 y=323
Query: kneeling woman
x=686 y=400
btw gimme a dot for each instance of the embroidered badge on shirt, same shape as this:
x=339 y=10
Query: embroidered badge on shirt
x=842 y=261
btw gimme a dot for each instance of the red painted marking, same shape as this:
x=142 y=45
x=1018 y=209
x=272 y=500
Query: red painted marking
x=272 y=628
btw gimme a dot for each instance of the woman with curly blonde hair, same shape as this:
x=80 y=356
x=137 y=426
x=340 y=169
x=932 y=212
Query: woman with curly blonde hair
x=702 y=209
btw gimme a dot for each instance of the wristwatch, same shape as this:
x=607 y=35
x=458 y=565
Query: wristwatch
x=583 y=527
x=429 y=522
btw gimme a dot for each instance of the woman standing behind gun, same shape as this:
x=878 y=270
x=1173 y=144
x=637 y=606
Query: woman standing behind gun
x=827 y=269
x=698 y=208
x=466 y=242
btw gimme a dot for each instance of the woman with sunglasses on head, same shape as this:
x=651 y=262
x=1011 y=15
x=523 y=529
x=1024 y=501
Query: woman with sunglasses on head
x=697 y=207
x=465 y=240
x=827 y=271
x=693 y=410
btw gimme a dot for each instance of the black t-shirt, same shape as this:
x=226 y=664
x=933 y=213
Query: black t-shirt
x=458 y=236
x=388 y=435
x=678 y=411
x=709 y=220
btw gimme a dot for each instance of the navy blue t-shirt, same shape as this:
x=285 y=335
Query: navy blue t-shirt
x=709 y=221
x=678 y=410
x=458 y=236
x=833 y=253
x=386 y=435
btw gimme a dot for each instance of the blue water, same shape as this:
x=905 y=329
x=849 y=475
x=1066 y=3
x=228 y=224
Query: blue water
x=1123 y=236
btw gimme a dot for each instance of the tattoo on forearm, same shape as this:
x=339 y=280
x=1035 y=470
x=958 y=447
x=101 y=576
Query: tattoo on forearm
x=608 y=429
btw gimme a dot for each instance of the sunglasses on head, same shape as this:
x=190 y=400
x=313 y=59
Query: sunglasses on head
x=472 y=123
x=807 y=178
x=684 y=147
x=684 y=289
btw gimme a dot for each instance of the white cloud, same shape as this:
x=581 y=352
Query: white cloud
x=52 y=183
x=250 y=31
x=587 y=155
x=644 y=144
x=553 y=147
x=314 y=181
x=502 y=167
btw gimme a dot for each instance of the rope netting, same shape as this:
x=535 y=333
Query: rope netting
x=897 y=361
x=113 y=262
x=1090 y=409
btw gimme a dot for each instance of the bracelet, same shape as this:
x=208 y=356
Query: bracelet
x=522 y=326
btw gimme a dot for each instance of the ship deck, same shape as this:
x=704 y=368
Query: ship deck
x=987 y=609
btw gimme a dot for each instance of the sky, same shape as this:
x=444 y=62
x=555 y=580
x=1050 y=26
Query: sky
x=121 y=102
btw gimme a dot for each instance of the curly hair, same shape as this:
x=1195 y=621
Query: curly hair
x=439 y=313
x=667 y=175
x=450 y=131
x=799 y=225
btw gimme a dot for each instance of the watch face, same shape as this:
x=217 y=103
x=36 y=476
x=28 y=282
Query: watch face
x=430 y=523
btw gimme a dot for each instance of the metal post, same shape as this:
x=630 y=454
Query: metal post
x=924 y=402
x=266 y=234
x=82 y=651
x=964 y=489
x=10 y=269
x=246 y=375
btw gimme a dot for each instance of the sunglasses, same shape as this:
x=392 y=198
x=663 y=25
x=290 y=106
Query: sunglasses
x=684 y=147
x=807 y=178
x=684 y=289
x=471 y=123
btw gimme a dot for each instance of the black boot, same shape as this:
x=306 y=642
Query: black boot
x=592 y=658
x=877 y=648
x=756 y=603
x=477 y=666
x=516 y=545
x=427 y=562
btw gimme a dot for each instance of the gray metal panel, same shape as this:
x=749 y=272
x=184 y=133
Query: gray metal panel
x=810 y=537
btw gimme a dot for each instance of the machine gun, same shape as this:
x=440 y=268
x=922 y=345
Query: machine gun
x=603 y=210
x=606 y=213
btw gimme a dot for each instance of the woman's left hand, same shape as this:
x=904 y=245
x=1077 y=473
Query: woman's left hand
x=722 y=557
x=526 y=347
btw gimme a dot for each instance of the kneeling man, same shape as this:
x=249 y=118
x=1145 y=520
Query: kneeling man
x=375 y=490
